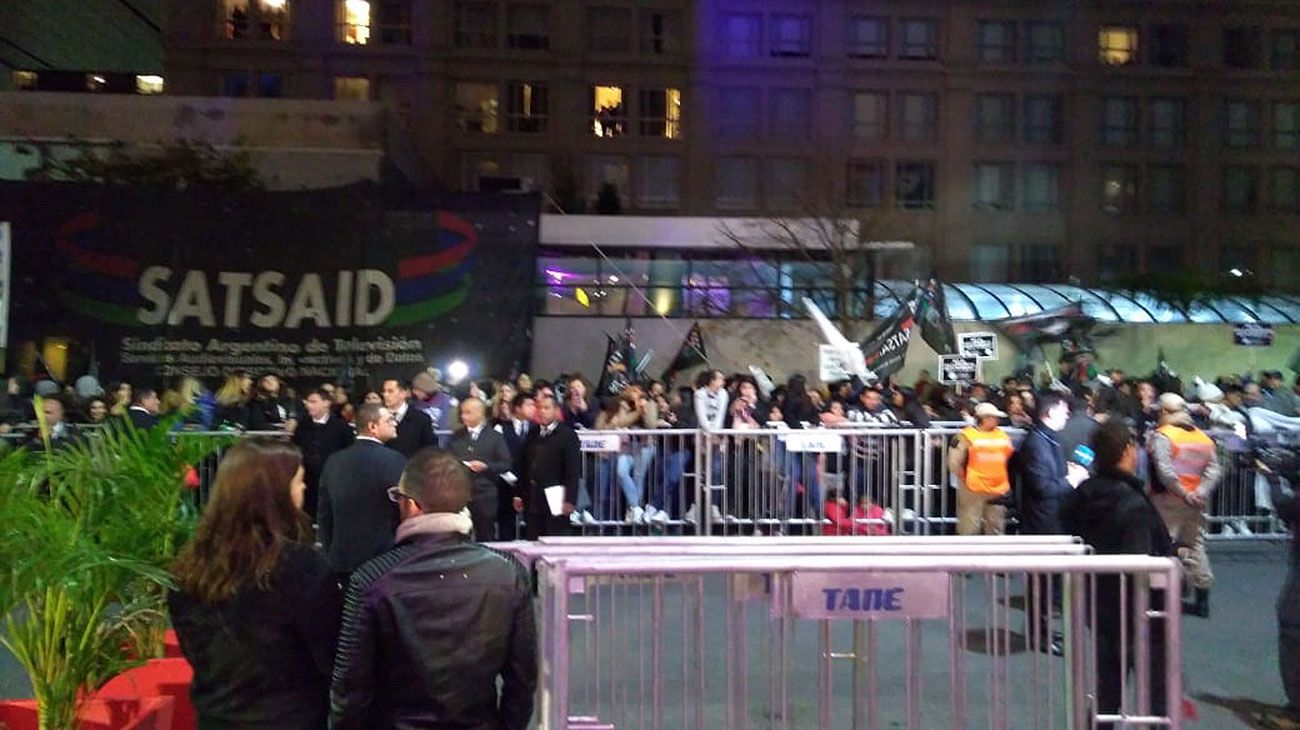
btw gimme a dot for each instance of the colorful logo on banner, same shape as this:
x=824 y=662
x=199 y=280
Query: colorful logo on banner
x=123 y=291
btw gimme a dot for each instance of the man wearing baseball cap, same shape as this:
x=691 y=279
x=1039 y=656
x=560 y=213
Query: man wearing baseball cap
x=1185 y=466
x=978 y=458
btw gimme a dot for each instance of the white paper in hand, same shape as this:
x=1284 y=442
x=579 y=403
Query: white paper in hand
x=555 y=499
x=510 y=478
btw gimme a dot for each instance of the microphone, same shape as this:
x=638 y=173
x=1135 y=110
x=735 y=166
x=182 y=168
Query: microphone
x=1083 y=455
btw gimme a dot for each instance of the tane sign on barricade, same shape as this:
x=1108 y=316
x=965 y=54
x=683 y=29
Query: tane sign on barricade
x=912 y=641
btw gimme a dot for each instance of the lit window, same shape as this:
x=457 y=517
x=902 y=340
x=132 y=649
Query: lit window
x=527 y=107
x=354 y=25
x=608 y=112
x=24 y=80
x=352 y=88
x=148 y=84
x=1117 y=45
x=1119 y=189
x=661 y=113
x=236 y=19
x=476 y=107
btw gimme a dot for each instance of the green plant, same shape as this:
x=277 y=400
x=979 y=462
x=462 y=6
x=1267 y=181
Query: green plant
x=88 y=531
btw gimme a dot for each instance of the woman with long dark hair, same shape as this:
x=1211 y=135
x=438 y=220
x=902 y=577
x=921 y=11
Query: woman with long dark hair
x=256 y=607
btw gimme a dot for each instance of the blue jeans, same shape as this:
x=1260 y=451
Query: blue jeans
x=801 y=467
x=632 y=469
x=674 y=467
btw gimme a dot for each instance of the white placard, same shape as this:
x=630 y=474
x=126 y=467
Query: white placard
x=958 y=369
x=864 y=595
x=6 y=251
x=831 y=366
x=814 y=442
x=600 y=443
x=982 y=345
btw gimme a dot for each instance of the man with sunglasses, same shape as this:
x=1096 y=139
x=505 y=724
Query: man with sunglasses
x=431 y=626
x=356 y=519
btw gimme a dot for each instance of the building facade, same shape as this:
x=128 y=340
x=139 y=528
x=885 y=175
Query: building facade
x=1012 y=141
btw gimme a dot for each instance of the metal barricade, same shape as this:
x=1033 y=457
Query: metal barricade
x=636 y=481
x=1240 y=506
x=836 y=642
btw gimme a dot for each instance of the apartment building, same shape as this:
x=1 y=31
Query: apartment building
x=1012 y=141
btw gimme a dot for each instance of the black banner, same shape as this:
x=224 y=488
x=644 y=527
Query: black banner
x=690 y=354
x=310 y=285
x=885 y=349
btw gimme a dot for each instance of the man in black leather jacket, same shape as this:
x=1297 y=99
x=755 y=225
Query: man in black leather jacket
x=429 y=626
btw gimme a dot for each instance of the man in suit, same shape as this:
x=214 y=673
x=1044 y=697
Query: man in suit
x=143 y=412
x=62 y=434
x=484 y=452
x=553 y=458
x=357 y=518
x=319 y=436
x=518 y=431
x=414 y=428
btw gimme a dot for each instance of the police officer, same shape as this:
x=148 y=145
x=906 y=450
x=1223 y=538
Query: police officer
x=1185 y=471
x=978 y=459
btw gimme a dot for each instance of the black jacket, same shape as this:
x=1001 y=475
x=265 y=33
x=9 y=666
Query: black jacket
x=414 y=432
x=1042 y=486
x=1112 y=513
x=355 y=517
x=318 y=441
x=552 y=459
x=263 y=658
x=140 y=418
x=428 y=627
x=490 y=448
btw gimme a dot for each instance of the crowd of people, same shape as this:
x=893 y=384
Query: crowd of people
x=330 y=559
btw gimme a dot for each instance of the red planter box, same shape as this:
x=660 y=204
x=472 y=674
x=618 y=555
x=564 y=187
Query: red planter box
x=169 y=678
x=142 y=713
x=171 y=645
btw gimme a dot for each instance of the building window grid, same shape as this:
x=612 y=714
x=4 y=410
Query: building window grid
x=1241 y=123
x=1168 y=128
x=867 y=183
x=1119 y=121
x=1240 y=189
x=1285 y=51
x=1166 y=188
x=256 y=19
x=1041 y=187
x=1243 y=47
x=1284 y=189
x=1286 y=125
x=659 y=182
x=1117 y=45
x=997 y=41
x=660 y=113
x=736 y=183
x=870 y=115
x=786 y=182
x=791 y=35
x=661 y=32
x=609 y=112
x=918 y=115
x=919 y=39
x=742 y=35
x=915 y=184
x=475 y=25
x=739 y=114
x=993 y=186
x=1044 y=121
x=1045 y=42
x=1170 y=45
x=477 y=107
x=1119 y=189
x=528 y=27
x=995 y=117
x=527 y=107
x=868 y=36
x=609 y=29
x=790 y=114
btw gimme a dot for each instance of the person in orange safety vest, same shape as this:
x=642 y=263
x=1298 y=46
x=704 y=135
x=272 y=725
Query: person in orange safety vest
x=978 y=459
x=1184 y=473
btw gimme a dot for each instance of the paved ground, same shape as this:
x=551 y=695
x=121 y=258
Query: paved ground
x=1230 y=661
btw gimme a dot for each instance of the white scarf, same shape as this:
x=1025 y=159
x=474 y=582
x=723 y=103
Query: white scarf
x=435 y=523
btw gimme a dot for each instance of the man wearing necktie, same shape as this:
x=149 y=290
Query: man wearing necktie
x=517 y=430
x=552 y=459
x=484 y=452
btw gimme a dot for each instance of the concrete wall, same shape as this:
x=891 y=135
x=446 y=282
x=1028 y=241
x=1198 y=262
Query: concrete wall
x=294 y=143
x=782 y=347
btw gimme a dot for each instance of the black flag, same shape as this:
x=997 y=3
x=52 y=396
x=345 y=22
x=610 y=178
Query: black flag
x=620 y=363
x=886 y=348
x=936 y=326
x=690 y=354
